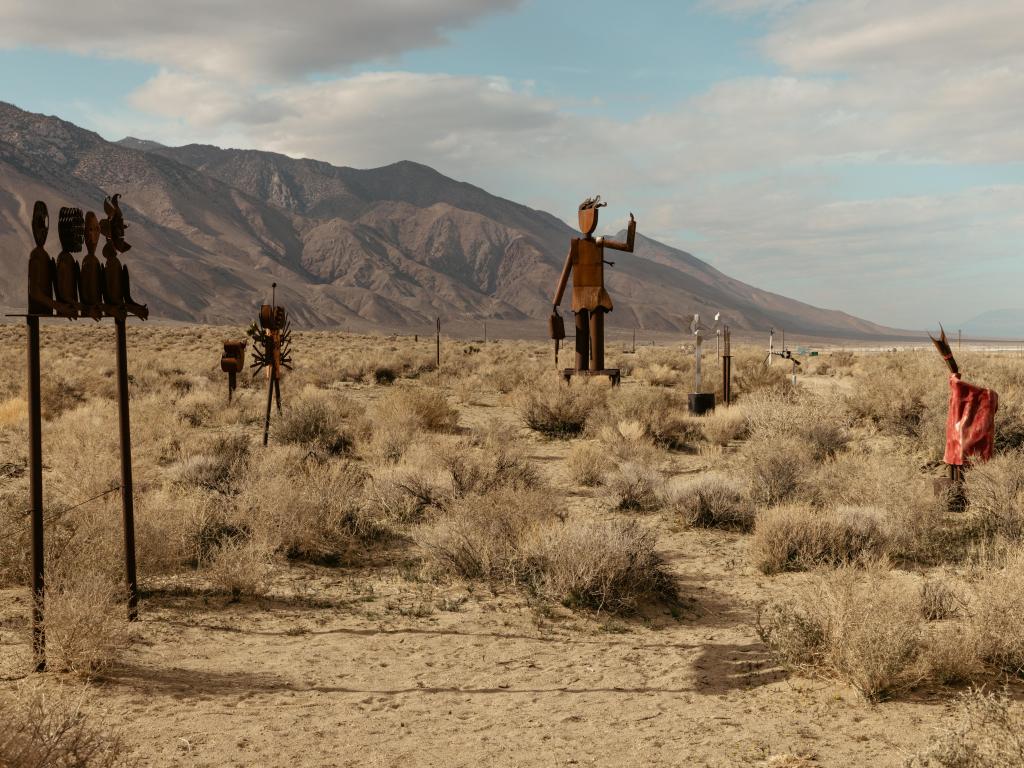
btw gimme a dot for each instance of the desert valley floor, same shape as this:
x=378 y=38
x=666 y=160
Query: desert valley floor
x=374 y=661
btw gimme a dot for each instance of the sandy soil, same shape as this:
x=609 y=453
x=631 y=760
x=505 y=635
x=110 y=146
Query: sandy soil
x=374 y=667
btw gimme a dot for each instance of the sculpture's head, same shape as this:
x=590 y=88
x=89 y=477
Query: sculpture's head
x=92 y=231
x=588 y=214
x=40 y=223
x=113 y=226
x=71 y=229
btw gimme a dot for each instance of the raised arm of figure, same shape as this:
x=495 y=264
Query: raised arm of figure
x=630 y=237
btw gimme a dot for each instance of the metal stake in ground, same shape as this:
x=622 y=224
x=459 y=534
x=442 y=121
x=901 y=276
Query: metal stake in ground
x=127 y=503
x=439 y=342
x=726 y=367
x=35 y=465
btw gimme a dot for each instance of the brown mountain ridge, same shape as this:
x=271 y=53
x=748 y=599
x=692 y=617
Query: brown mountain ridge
x=388 y=247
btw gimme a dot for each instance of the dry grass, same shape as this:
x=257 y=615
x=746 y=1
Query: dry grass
x=86 y=621
x=995 y=494
x=636 y=487
x=997 y=608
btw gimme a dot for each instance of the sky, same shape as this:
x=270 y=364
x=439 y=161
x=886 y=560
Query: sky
x=862 y=155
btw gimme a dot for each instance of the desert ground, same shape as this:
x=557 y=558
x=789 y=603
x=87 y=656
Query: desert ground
x=478 y=565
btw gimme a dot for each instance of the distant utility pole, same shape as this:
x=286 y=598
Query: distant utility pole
x=958 y=339
x=438 y=342
x=485 y=331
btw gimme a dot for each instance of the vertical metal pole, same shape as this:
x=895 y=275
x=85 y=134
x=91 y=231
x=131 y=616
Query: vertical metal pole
x=439 y=342
x=231 y=385
x=485 y=331
x=771 y=345
x=634 y=338
x=698 y=378
x=35 y=464
x=270 y=403
x=127 y=503
x=277 y=392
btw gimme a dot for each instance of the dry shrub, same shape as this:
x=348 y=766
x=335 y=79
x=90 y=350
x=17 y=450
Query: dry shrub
x=197 y=409
x=661 y=413
x=987 y=733
x=628 y=441
x=725 y=425
x=861 y=627
x=493 y=465
x=559 y=410
x=315 y=423
x=599 y=565
x=426 y=408
x=86 y=620
x=308 y=510
x=777 y=467
x=58 y=395
x=798 y=538
x=219 y=468
x=636 y=486
x=408 y=490
x=753 y=375
x=588 y=464
x=241 y=567
x=939 y=598
x=51 y=729
x=485 y=536
x=996 y=611
x=995 y=495
x=712 y=502
x=949 y=655
x=658 y=375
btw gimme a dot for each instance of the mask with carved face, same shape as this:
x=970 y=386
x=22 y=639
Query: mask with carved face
x=40 y=223
x=71 y=229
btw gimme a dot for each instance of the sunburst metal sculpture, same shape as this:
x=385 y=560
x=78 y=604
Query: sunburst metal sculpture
x=272 y=351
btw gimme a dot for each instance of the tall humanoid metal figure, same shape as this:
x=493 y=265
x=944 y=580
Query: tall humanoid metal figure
x=42 y=271
x=590 y=300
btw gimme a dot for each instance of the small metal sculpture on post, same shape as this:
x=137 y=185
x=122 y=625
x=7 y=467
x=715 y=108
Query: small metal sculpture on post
x=700 y=402
x=271 y=351
x=970 y=423
x=590 y=300
x=232 y=362
x=726 y=366
x=785 y=354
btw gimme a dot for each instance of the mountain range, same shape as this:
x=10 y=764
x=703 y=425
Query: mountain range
x=388 y=247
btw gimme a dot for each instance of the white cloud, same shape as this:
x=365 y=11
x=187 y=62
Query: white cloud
x=248 y=40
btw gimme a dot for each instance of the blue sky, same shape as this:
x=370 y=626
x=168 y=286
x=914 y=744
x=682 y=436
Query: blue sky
x=864 y=155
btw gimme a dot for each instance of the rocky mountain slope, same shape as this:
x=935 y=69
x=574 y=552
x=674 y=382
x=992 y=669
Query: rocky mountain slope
x=384 y=247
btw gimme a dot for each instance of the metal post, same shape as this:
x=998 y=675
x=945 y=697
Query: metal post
x=270 y=403
x=698 y=378
x=726 y=366
x=231 y=385
x=771 y=345
x=634 y=339
x=485 y=331
x=277 y=392
x=127 y=504
x=439 y=342
x=35 y=464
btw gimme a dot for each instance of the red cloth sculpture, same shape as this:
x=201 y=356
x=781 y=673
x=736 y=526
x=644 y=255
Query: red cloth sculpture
x=970 y=426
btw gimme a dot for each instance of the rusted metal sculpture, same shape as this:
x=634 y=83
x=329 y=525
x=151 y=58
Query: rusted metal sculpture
x=590 y=300
x=64 y=289
x=232 y=362
x=272 y=339
x=42 y=271
x=116 y=282
x=970 y=423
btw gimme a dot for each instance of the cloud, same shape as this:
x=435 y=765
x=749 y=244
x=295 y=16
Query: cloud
x=887 y=35
x=254 y=40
